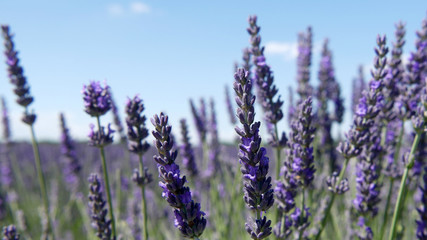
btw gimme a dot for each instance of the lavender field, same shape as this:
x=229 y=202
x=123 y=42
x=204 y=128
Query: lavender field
x=286 y=171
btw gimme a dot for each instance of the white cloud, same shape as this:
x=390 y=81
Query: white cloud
x=139 y=8
x=115 y=9
x=289 y=50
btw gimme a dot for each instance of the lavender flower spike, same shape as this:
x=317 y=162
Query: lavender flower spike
x=10 y=233
x=116 y=119
x=189 y=219
x=16 y=76
x=5 y=121
x=257 y=186
x=97 y=102
x=137 y=133
x=73 y=168
x=98 y=212
x=300 y=152
x=187 y=150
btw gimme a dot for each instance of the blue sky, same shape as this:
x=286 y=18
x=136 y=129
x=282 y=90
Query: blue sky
x=171 y=51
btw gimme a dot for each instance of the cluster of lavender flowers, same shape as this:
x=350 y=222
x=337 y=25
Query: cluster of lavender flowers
x=189 y=219
x=379 y=140
x=257 y=186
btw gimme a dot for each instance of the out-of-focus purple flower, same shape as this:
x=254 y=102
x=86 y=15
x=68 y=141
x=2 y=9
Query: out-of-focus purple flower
x=230 y=107
x=305 y=45
x=100 y=138
x=187 y=151
x=73 y=166
x=291 y=109
x=257 y=186
x=328 y=91
x=422 y=209
x=16 y=76
x=335 y=186
x=359 y=85
x=189 y=219
x=365 y=232
x=116 y=119
x=300 y=218
x=214 y=146
x=283 y=230
x=10 y=233
x=98 y=211
x=97 y=99
x=5 y=120
x=200 y=119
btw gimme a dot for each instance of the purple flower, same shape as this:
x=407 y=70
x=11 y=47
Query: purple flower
x=328 y=92
x=358 y=87
x=422 y=209
x=365 y=232
x=10 y=233
x=305 y=46
x=368 y=108
x=5 y=121
x=16 y=76
x=100 y=138
x=98 y=211
x=263 y=77
x=188 y=158
x=257 y=186
x=300 y=152
x=116 y=119
x=230 y=107
x=200 y=119
x=137 y=132
x=189 y=219
x=300 y=218
x=97 y=100
x=214 y=146
x=73 y=167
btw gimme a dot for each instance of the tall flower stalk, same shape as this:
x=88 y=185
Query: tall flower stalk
x=137 y=134
x=22 y=90
x=359 y=135
x=263 y=78
x=257 y=186
x=97 y=103
x=189 y=219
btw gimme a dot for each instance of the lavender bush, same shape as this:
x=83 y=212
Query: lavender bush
x=369 y=183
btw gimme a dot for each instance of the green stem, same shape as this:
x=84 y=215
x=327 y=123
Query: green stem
x=402 y=186
x=301 y=232
x=278 y=152
x=107 y=184
x=42 y=182
x=390 y=188
x=144 y=202
x=328 y=209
